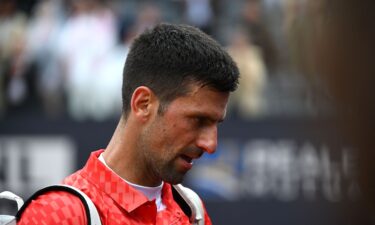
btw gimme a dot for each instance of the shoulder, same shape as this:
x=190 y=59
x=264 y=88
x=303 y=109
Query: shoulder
x=54 y=207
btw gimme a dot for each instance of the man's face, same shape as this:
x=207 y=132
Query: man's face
x=182 y=133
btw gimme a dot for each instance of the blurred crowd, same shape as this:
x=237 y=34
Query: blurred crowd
x=65 y=57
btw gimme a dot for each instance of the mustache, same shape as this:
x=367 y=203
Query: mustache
x=193 y=151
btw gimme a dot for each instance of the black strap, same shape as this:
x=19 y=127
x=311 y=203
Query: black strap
x=55 y=188
x=181 y=202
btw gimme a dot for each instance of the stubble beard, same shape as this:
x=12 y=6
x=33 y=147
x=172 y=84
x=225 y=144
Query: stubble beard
x=159 y=162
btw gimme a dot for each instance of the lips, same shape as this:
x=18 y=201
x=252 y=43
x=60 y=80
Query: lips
x=185 y=162
x=191 y=154
x=187 y=158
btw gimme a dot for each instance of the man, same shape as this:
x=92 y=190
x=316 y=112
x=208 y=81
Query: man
x=176 y=84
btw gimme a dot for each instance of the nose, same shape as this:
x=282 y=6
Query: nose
x=207 y=140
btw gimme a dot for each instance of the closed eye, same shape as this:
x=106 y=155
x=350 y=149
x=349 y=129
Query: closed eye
x=203 y=121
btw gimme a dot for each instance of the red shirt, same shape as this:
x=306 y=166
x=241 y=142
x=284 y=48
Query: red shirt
x=116 y=201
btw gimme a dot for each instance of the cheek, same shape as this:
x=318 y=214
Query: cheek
x=177 y=131
x=181 y=129
x=173 y=137
x=164 y=135
x=184 y=135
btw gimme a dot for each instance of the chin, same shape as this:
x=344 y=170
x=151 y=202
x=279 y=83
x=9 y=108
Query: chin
x=174 y=179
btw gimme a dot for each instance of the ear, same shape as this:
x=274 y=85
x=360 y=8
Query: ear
x=143 y=103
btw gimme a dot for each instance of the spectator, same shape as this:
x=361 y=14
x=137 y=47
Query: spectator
x=13 y=62
x=251 y=20
x=88 y=35
x=43 y=32
x=199 y=13
x=249 y=96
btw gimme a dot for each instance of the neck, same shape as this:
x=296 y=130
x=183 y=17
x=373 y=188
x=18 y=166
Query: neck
x=122 y=155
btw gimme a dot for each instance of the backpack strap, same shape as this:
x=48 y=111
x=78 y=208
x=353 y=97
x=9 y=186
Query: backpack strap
x=190 y=203
x=10 y=219
x=13 y=197
x=92 y=214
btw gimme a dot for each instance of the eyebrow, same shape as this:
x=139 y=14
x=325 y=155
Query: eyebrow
x=208 y=117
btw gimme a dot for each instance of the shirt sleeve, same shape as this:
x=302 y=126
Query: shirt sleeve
x=52 y=208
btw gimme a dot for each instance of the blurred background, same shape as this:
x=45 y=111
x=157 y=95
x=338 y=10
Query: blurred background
x=285 y=155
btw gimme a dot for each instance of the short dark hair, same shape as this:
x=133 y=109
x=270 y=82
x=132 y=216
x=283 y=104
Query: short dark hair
x=168 y=58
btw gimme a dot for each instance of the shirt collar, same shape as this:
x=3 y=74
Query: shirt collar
x=152 y=193
x=113 y=185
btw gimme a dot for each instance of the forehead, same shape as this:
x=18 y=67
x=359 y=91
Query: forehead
x=201 y=100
